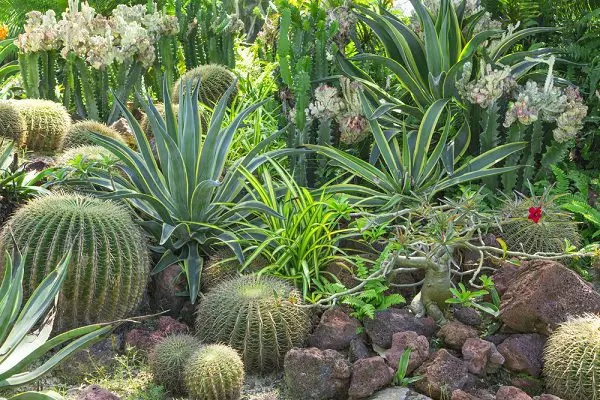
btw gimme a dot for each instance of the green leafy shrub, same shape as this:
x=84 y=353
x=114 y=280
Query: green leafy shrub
x=571 y=357
x=215 y=80
x=82 y=134
x=13 y=126
x=109 y=269
x=168 y=359
x=46 y=124
x=214 y=372
x=272 y=321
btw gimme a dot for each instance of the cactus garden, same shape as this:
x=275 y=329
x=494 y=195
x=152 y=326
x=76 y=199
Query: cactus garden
x=299 y=200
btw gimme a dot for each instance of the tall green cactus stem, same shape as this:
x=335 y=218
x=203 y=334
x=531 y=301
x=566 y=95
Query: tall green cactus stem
x=88 y=89
x=489 y=137
x=214 y=82
x=82 y=133
x=258 y=316
x=11 y=122
x=46 y=124
x=214 y=372
x=571 y=359
x=129 y=75
x=109 y=268
x=169 y=358
x=29 y=64
x=516 y=133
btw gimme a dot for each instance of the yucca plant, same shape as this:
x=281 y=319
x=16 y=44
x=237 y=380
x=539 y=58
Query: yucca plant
x=428 y=67
x=191 y=201
x=19 y=348
x=420 y=162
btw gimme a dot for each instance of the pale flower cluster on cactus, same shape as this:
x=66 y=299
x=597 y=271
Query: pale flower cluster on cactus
x=345 y=108
x=129 y=33
x=491 y=85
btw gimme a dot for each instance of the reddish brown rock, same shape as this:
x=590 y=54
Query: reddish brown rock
x=511 y=393
x=504 y=276
x=381 y=328
x=461 y=395
x=442 y=374
x=314 y=374
x=544 y=294
x=359 y=349
x=144 y=339
x=335 y=331
x=95 y=392
x=524 y=353
x=454 y=334
x=548 y=397
x=164 y=288
x=368 y=376
x=418 y=344
x=481 y=356
x=168 y=326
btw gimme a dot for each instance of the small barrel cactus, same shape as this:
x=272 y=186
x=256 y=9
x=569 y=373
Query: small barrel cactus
x=88 y=154
x=215 y=80
x=11 y=121
x=272 y=321
x=110 y=264
x=82 y=134
x=145 y=123
x=169 y=358
x=214 y=372
x=46 y=123
x=572 y=359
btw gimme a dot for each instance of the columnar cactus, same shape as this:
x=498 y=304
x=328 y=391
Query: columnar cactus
x=169 y=358
x=46 y=123
x=272 y=321
x=109 y=268
x=82 y=134
x=215 y=80
x=13 y=126
x=214 y=372
x=572 y=359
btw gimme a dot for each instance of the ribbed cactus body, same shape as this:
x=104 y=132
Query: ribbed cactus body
x=89 y=154
x=258 y=316
x=572 y=359
x=46 y=123
x=214 y=372
x=215 y=80
x=109 y=267
x=169 y=358
x=82 y=134
x=12 y=125
x=145 y=123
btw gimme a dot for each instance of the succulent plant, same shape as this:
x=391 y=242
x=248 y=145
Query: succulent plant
x=13 y=126
x=214 y=372
x=168 y=359
x=272 y=321
x=46 y=123
x=572 y=359
x=85 y=153
x=145 y=124
x=523 y=231
x=223 y=265
x=109 y=268
x=82 y=134
x=215 y=80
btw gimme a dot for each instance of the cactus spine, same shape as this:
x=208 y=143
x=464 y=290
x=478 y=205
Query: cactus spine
x=215 y=372
x=169 y=358
x=109 y=268
x=571 y=359
x=272 y=322
x=82 y=134
x=215 y=80
x=11 y=121
x=46 y=123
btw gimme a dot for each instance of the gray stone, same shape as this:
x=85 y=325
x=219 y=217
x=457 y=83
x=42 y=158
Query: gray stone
x=398 y=393
x=95 y=392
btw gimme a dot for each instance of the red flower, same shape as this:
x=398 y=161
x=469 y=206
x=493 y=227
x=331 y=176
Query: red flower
x=535 y=213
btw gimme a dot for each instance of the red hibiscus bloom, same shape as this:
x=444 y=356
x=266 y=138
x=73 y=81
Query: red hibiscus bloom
x=535 y=213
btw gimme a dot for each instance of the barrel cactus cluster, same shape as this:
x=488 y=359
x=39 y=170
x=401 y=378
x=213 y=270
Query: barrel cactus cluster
x=169 y=358
x=214 y=82
x=82 y=134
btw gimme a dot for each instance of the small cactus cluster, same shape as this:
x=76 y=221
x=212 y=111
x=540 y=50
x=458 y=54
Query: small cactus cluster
x=572 y=359
x=11 y=121
x=87 y=154
x=168 y=359
x=82 y=134
x=214 y=82
x=46 y=124
x=272 y=321
x=214 y=372
x=543 y=234
x=109 y=266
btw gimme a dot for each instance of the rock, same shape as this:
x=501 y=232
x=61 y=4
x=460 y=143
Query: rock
x=122 y=126
x=398 y=393
x=442 y=374
x=167 y=326
x=454 y=334
x=474 y=394
x=468 y=316
x=359 y=350
x=511 y=393
x=164 y=288
x=381 y=328
x=335 y=331
x=95 y=392
x=543 y=295
x=87 y=361
x=38 y=163
x=548 y=397
x=314 y=374
x=144 y=339
x=497 y=338
x=481 y=356
x=461 y=395
x=504 y=276
x=401 y=341
x=527 y=383
x=368 y=376
x=524 y=353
